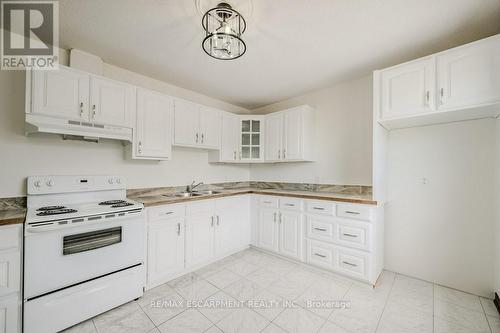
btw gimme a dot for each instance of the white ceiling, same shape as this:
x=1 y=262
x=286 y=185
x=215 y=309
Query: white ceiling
x=294 y=46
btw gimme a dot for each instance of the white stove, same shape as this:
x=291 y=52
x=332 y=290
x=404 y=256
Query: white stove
x=84 y=250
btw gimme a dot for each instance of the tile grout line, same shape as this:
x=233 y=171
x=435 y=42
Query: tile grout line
x=486 y=315
x=386 y=301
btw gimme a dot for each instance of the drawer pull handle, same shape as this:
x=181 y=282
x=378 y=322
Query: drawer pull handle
x=268 y=202
x=320 y=255
x=290 y=205
x=168 y=213
x=351 y=212
x=350 y=235
x=350 y=264
x=318 y=208
x=320 y=229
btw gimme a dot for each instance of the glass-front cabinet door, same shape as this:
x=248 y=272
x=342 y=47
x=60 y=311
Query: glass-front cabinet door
x=251 y=141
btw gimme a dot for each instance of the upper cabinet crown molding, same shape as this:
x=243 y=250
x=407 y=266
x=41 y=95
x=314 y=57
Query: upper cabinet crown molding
x=458 y=84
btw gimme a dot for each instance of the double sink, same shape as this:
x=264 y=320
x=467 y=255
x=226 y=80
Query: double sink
x=192 y=194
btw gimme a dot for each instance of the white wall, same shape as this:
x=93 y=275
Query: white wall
x=443 y=231
x=41 y=154
x=343 y=129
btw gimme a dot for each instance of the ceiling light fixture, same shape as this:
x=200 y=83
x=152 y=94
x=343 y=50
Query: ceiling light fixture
x=223 y=29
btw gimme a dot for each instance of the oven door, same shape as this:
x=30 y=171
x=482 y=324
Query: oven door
x=60 y=258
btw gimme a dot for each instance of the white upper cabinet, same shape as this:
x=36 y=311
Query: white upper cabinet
x=458 y=84
x=230 y=137
x=210 y=124
x=251 y=145
x=196 y=126
x=62 y=93
x=469 y=75
x=154 y=124
x=408 y=89
x=289 y=135
x=274 y=137
x=186 y=122
x=111 y=102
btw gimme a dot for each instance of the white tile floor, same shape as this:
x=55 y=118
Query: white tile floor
x=265 y=283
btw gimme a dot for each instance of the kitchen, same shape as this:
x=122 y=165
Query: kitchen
x=137 y=189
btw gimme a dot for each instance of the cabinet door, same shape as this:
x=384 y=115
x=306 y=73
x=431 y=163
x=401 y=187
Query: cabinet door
x=9 y=314
x=186 y=123
x=290 y=240
x=155 y=113
x=268 y=238
x=293 y=135
x=63 y=93
x=232 y=225
x=230 y=136
x=274 y=137
x=469 y=76
x=10 y=272
x=111 y=103
x=199 y=239
x=210 y=122
x=408 y=89
x=165 y=249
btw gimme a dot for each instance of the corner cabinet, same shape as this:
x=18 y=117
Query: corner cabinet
x=458 y=84
x=196 y=126
x=154 y=126
x=289 y=135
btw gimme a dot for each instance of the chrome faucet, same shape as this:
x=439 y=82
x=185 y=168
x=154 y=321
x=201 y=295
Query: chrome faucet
x=191 y=187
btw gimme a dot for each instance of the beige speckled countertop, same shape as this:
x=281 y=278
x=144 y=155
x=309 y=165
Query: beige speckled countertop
x=12 y=216
x=158 y=199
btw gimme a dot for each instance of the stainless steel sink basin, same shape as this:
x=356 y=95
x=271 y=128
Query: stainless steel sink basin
x=186 y=194
x=208 y=192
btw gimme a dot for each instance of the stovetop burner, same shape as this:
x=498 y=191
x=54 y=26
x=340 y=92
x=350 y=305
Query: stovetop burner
x=42 y=209
x=112 y=202
x=56 y=212
x=122 y=204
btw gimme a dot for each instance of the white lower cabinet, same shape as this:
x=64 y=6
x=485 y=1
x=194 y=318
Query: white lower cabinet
x=10 y=278
x=184 y=237
x=280 y=230
x=344 y=238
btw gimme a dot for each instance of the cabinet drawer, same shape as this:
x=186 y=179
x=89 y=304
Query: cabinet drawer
x=10 y=272
x=352 y=263
x=321 y=207
x=269 y=202
x=354 y=212
x=320 y=254
x=291 y=204
x=352 y=234
x=10 y=237
x=168 y=211
x=320 y=228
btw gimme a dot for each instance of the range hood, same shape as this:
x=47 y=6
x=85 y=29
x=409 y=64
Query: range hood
x=71 y=129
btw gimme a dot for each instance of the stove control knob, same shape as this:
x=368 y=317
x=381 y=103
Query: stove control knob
x=50 y=183
x=118 y=181
x=110 y=180
x=37 y=183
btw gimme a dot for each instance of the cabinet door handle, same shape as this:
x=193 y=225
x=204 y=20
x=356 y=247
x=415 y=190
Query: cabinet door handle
x=81 y=109
x=218 y=220
x=280 y=217
x=350 y=264
x=212 y=221
x=279 y=154
x=441 y=94
x=320 y=229
x=427 y=97
x=202 y=137
x=350 y=235
x=178 y=229
x=93 y=111
x=140 y=147
x=274 y=217
x=284 y=153
x=197 y=137
x=351 y=212
x=235 y=155
x=320 y=255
